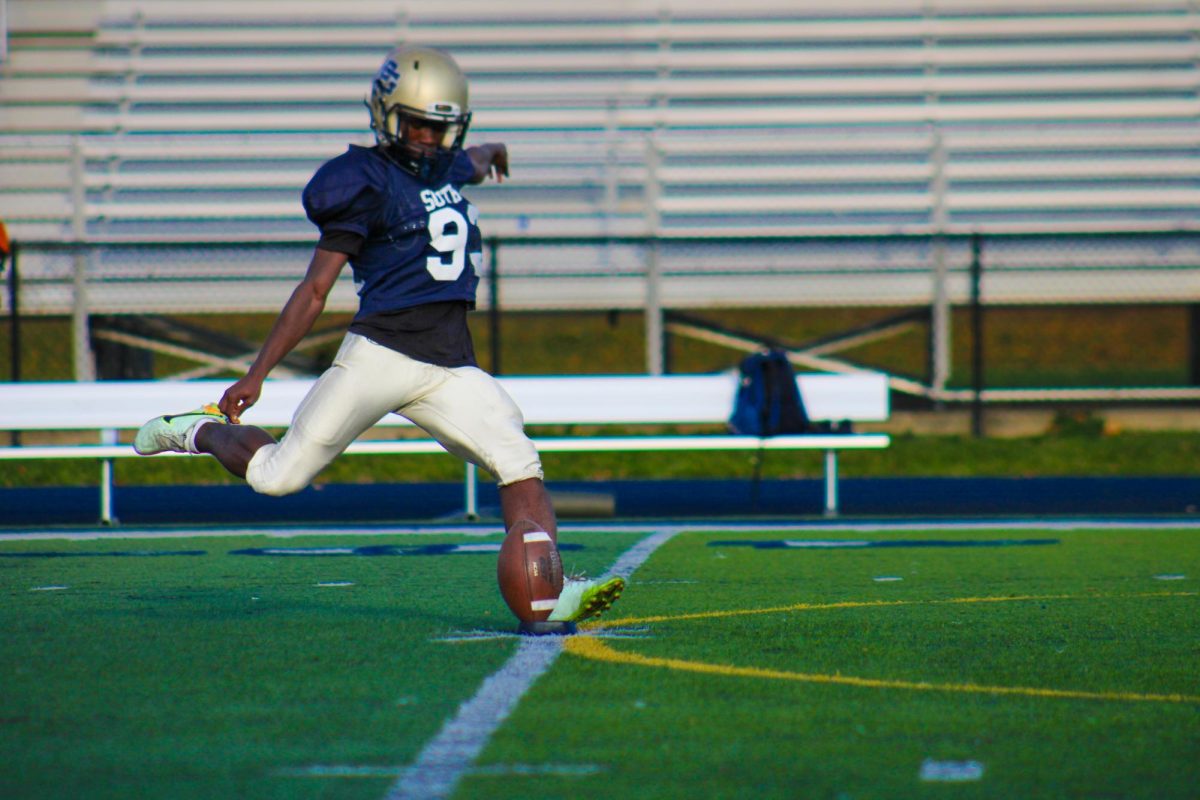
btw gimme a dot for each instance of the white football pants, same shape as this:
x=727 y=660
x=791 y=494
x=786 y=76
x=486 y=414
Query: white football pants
x=463 y=408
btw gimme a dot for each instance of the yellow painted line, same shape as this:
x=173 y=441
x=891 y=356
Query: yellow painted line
x=741 y=612
x=596 y=649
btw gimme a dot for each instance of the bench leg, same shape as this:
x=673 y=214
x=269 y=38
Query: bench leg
x=831 y=480
x=107 y=436
x=471 y=488
x=106 y=491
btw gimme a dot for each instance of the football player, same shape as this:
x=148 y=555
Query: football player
x=397 y=214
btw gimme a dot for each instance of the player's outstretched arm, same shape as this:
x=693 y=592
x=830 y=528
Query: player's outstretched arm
x=490 y=160
x=293 y=324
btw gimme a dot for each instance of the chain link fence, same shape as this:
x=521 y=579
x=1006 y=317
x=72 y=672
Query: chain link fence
x=954 y=319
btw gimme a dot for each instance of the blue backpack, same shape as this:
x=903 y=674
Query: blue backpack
x=767 y=401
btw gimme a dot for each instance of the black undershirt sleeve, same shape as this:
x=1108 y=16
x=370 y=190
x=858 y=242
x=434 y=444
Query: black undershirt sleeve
x=341 y=242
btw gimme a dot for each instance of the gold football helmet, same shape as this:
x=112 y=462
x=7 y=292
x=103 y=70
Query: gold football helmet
x=426 y=85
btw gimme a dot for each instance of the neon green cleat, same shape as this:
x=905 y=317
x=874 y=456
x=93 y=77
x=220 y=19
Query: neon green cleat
x=171 y=432
x=580 y=599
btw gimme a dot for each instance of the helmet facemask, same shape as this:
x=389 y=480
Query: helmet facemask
x=423 y=161
x=420 y=87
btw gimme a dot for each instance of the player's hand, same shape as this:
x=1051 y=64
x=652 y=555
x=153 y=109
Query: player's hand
x=498 y=169
x=239 y=397
x=490 y=160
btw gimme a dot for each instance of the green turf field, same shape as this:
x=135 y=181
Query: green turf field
x=1027 y=662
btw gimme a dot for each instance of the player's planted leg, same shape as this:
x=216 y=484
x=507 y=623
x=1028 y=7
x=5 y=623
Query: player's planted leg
x=580 y=599
x=528 y=500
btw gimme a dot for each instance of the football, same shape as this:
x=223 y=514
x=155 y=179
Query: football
x=529 y=571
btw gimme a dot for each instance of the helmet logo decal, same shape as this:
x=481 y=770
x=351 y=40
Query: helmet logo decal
x=388 y=77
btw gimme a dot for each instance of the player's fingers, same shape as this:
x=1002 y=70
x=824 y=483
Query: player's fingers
x=244 y=401
x=228 y=406
x=235 y=400
x=500 y=162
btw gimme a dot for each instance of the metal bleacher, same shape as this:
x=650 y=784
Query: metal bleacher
x=170 y=120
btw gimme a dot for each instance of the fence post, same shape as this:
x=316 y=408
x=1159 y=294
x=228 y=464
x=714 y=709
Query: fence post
x=940 y=318
x=653 y=301
x=939 y=367
x=940 y=321
x=84 y=363
x=977 y=335
x=85 y=366
x=654 y=312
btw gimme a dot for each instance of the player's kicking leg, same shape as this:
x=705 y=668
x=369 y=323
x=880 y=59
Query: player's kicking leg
x=205 y=430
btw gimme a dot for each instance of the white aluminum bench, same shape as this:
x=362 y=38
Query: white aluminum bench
x=112 y=406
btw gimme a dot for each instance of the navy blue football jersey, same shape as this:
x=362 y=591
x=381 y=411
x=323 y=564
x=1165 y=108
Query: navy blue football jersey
x=421 y=243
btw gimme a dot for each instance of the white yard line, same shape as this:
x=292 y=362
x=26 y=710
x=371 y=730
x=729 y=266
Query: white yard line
x=450 y=755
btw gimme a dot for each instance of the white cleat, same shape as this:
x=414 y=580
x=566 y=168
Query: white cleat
x=170 y=432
